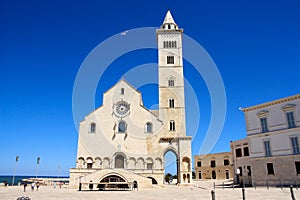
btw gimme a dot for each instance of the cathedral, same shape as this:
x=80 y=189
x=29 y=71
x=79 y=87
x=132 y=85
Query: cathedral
x=122 y=143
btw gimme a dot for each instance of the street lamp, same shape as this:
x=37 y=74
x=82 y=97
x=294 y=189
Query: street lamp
x=58 y=171
x=13 y=180
x=37 y=164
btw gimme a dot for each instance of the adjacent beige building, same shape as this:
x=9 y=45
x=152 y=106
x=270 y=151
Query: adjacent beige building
x=273 y=132
x=241 y=161
x=123 y=142
x=214 y=166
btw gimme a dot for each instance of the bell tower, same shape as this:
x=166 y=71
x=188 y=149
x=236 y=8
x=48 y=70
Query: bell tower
x=171 y=97
x=171 y=80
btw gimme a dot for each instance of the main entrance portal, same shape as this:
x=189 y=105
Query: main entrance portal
x=119 y=161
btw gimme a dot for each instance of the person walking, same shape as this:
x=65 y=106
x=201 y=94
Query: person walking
x=25 y=185
x=32 y=186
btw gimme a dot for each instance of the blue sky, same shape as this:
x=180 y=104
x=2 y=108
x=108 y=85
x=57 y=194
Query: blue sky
x=255 y=45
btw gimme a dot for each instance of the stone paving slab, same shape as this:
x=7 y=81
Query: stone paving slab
x=158 y=192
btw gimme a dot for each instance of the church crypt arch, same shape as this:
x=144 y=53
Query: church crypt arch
x=113 y=182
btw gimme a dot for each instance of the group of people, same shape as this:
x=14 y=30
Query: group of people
x=59 y=183
x=33 y=185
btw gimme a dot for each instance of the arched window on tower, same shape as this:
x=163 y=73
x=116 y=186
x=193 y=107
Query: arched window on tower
x=174 y=45
x=171 y=82
x=172 y=125
x=148 y=127
x=122 y=126
x=170 y=59
x=165 y=44
x=171 y=103
x=92 y=128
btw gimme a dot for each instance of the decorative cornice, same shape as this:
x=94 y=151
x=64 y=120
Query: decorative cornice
x=271 y=103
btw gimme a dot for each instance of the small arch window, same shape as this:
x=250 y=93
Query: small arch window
x=122 y=127
x=226 y=162
x=212 y=163
x=170 y=59
x=171 y=82
x=92 y=128
x=171 y=103
x=170 y=44
x=172 y=125
x=148 y=127
x=122 y=91
x=174 y=44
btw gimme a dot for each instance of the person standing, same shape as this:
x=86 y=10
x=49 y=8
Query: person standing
x=37 y=186
x=32 y=186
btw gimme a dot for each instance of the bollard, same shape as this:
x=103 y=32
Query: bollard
x=292 y=192
x=267 y=185
x=214 y=185
x=254 y=185
x=281 y=185
x=213 y=195
x=223 y=185
x=243 y=193
x=232 y=185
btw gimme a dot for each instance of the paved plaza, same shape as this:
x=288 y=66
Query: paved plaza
x=201 y=190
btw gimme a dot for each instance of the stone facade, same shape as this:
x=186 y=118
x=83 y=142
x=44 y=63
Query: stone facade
x=273 y=131
x=241 y=161
x=214 y=166
x=124 y=139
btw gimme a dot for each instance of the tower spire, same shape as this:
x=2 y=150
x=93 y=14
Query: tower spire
x=169 y=22
x=169 y=19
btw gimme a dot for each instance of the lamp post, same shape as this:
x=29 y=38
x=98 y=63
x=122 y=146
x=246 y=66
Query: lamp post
x=37 y=164
x=13 y=180
x=58 y=171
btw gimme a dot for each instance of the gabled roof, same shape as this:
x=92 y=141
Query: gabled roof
x=153 y=112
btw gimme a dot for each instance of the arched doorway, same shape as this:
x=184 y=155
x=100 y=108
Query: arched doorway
x=213 y=174
x=171 y=167
x=199 y=175
x=227 y=174
x=119 y=161
x=154 y=182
